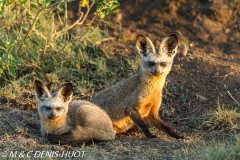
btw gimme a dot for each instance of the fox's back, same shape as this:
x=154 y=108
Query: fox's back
x=115 y=98
x=139 y=87
x=81 y=111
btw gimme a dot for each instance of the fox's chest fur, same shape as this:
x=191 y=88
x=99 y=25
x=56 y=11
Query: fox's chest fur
x=150 y=95
x=56 y=126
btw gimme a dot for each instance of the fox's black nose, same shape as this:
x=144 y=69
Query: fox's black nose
x=51 y=116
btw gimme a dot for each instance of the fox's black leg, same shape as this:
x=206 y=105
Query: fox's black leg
x=161 y=125
x=141 y=124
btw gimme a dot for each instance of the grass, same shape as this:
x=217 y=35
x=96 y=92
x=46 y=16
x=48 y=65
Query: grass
x=222 y=118
x=222 y=150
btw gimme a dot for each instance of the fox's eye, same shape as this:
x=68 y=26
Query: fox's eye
x=58 y=108
x=163 y=64
x=151 y=63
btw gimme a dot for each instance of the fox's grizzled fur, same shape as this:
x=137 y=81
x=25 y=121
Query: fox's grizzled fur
x=137 y=100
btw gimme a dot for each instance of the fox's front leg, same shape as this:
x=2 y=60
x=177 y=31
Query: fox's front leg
x=157 y=122
x=138 y=121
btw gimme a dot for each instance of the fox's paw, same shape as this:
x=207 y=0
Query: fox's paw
x=174 y=134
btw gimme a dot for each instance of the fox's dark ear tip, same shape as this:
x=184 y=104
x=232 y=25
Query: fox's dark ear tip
x=140 y=35
x=69 y=84
x=174 y=36
x=36 y=81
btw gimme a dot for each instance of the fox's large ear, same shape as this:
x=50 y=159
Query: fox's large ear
x=66 y=92
x=169 y=45
x=144 y=45
x=40 y=90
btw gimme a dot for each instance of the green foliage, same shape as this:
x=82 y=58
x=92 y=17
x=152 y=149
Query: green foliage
x=24 y=18
x=36 y=45
x=7 y=62
x=106 y=7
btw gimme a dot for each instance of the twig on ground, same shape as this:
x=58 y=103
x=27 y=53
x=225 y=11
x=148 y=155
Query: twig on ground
x=231 y=95
x=225 y=76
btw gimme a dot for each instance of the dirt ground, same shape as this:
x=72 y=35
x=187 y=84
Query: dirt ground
x=209 y=73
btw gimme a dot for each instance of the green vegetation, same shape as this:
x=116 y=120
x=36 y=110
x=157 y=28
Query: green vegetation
x=37 y=45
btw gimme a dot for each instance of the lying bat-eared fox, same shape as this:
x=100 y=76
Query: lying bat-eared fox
x=136 y=100
x=71 y=122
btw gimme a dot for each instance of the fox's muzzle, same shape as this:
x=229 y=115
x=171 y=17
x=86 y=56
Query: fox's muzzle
x=52 y=116
x=155 y=73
